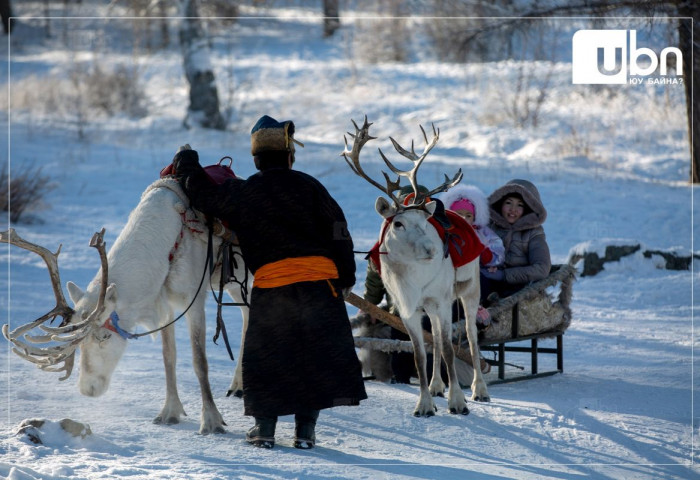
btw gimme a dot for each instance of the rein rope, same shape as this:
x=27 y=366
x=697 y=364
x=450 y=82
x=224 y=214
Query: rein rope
x=228 y=268
x=114 y=318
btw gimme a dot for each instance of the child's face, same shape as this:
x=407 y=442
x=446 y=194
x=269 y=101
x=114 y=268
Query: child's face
x=467 y=215
x=512 y=209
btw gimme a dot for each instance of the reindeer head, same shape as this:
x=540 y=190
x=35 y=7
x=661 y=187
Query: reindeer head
x=407 y=235
x=101 y=348
x=82 y=326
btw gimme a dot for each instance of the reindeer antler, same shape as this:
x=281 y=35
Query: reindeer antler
x=67 y=335
x=51 y=259
x=97 y=241
x=417 y=160
x=362 y=136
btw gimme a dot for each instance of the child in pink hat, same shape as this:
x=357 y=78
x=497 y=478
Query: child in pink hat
x=470 y=203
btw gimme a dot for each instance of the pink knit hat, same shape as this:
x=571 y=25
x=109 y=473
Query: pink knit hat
x=463 y=204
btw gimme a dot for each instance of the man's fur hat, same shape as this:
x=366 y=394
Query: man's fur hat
x=269 y=135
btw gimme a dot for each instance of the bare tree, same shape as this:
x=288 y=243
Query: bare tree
x=456 y=20
x=687 y=13
x=331 y=17
x=385 y=34
x=204 y=98
x=24 y=191
x=690 y=48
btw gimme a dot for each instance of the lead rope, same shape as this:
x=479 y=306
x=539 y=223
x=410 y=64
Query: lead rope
x=220 y=325
x=228 y=268
x=114 y=318
x=224 y=279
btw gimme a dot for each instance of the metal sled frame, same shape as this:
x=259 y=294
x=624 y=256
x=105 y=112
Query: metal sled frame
x=563 y=275
x=500 y=347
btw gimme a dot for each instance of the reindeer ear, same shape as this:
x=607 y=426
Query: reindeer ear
x=74 y=292
x=384 y=208
x=431 y=206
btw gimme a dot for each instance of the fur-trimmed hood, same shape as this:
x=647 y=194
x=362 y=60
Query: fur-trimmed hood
x=474 y=195
x=531 y=196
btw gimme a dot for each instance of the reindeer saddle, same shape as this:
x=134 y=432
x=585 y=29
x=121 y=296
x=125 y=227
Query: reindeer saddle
x=217 y=173
x=459 y=238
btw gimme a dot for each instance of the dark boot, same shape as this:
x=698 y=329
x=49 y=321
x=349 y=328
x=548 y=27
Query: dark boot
x=305 y=429
x=263 y=433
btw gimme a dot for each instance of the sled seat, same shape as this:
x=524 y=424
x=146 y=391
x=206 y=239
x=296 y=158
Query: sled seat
x=520 y=322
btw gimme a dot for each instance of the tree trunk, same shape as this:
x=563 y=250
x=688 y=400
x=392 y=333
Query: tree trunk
x=204 y=99
x=5 y=13
x=164 y=31
x=331 y=17
x=691 y=77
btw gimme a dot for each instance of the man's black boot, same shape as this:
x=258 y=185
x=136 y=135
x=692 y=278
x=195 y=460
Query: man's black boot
x=305 y=429
x=263 y=433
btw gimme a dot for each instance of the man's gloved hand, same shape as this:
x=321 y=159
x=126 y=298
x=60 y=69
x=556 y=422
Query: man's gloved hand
x=184 y=158
x=494 y=274
x=346 y=291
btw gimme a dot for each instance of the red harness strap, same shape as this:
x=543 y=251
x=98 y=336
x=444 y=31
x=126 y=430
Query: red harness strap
x=193 y=225
x=374 y=252
x=460 y=239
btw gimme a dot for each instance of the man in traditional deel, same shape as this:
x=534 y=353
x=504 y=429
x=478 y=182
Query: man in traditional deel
x=299 y=352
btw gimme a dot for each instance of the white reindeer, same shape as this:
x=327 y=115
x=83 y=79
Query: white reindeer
x=155 y=266
x=420 y=278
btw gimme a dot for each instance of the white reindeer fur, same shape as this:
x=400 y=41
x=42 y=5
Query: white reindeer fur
x=419 y=278
x=146 y=289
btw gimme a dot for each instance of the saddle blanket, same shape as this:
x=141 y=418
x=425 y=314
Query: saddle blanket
x=459 y=238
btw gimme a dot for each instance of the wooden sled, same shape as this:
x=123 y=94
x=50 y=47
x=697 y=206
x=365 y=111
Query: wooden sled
x=519 y=323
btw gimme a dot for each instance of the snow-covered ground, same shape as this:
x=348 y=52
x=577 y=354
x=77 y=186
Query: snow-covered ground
x=611 y=164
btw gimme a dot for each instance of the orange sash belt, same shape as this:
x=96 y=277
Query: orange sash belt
x=294 y=270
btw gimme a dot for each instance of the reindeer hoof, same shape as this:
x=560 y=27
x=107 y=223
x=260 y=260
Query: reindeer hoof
x=484 y=399
x=429 y=413
x=167 y=421
x=215 y=430
x=440 y=394
x=465 y=411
